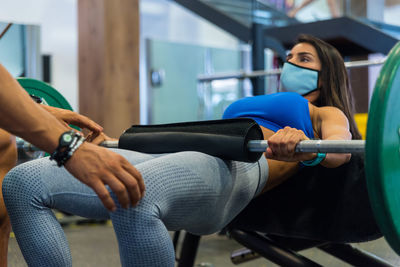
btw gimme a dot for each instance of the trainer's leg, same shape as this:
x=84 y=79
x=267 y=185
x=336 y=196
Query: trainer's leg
x=31 y=190
x=187 y=190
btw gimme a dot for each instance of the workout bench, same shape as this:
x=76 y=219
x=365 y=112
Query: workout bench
x=319 y=207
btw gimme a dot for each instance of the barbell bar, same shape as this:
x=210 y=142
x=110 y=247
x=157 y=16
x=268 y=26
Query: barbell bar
x=262 y=73
x=316 y=146
x=311 y=146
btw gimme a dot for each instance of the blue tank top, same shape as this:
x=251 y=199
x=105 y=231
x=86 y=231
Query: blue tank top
x=274 y=111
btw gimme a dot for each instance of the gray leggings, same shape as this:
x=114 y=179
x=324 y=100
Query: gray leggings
x=187 y=190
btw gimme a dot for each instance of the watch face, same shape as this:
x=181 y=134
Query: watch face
x=66 y=139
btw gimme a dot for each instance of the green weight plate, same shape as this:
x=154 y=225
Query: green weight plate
x=45 y=91
x=382 y=155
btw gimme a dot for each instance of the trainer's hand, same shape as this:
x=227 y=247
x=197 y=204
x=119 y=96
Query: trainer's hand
x=281 y=145
x=97 y=139
x=70 y=117
x=96 y=167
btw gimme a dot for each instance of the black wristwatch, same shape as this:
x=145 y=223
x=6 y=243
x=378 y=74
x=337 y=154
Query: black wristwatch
x=67 y=144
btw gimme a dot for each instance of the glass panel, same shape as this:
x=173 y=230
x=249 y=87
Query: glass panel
x=271 y=13
x=175 y=95
x=12 y=49
x=174 y=99
x=278 y=13
x=214 y=97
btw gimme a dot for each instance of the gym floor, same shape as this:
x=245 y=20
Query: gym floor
x=94 y=244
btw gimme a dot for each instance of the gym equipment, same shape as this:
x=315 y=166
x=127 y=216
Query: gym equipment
x=273 y=72
x=318 y=208
x=151 y=139
x=48 y=94
x=382 y=146
x=234 y=139
x=221 y=138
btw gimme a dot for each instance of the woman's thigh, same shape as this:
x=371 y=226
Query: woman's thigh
x=198 y=192
x=45 y=185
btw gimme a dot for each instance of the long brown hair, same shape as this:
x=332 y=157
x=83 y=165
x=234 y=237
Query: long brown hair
x=335 y=90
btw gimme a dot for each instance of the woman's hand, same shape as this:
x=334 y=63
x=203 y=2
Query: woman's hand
x=281 y=145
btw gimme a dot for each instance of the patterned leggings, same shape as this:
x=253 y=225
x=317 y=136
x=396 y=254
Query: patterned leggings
x=187 y=190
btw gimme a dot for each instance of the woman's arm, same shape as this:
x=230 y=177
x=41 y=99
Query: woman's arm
x=334 y=126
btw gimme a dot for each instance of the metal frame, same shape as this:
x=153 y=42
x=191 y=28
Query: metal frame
x=257 y=56
x=218 y=18
x=272 y=72
x=260 y=245
x=271 y=250
x=354 y=40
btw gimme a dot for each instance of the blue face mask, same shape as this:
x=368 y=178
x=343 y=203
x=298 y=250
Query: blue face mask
x=298 y=79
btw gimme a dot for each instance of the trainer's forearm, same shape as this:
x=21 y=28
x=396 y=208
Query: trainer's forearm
x=21 y=116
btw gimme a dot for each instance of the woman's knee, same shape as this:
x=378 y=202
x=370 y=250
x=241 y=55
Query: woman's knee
x=20 y=183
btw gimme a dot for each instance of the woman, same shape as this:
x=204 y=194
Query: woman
x=188 y=190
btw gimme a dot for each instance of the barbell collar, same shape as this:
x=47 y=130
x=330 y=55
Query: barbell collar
x=316 y=146
x=110 y=144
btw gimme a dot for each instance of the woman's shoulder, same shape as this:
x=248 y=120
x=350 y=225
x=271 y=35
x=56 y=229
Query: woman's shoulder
x=331 y=110
x=330 y=113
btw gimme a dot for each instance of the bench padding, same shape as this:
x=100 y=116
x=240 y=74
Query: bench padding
x=318 y=203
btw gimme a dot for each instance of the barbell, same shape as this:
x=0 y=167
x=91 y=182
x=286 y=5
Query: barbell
x=316 y=146
x=382 y=150
x=274 y=72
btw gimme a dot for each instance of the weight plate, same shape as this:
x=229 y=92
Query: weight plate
x=43 y=90
x=382 y=155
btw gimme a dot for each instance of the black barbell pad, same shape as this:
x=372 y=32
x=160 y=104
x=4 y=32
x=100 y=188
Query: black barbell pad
x=226 y=139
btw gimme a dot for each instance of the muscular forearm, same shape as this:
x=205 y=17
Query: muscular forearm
x=21 y=116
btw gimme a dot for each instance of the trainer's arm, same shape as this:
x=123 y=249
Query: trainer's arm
x=70 y=117
x=92 y=165
x=23 y=117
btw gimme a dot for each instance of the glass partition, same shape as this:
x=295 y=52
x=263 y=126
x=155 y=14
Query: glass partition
x=174 y=93
x=276 y=13
x=12 y=49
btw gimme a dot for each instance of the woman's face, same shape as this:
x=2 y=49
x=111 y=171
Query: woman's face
x=304 y=55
